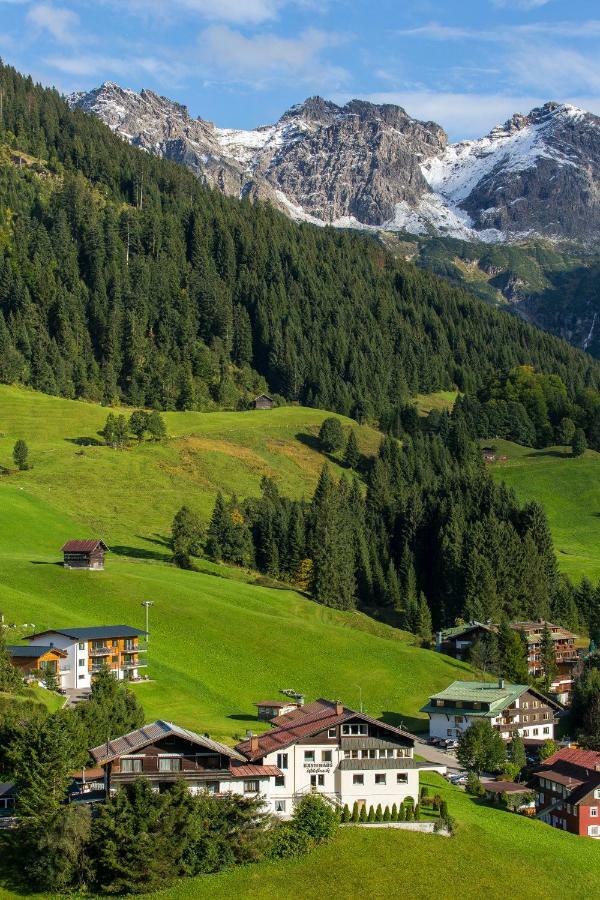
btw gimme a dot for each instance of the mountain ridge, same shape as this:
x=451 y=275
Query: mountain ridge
x=375 y=167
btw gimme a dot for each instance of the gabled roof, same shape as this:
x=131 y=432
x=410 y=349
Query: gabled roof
x=576 y=769
x=276 y=704
x=488 y=692
x=142 y=737
x=250 y=771
x=457 y=630
x=306 y=721
x=85 y=546
x=33 y=652
x=505 y=787
x=7 y=788
x=92 y=632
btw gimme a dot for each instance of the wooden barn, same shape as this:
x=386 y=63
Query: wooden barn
x=263 y=402
x=88 y=554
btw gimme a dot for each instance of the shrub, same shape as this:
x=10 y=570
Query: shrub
x=289 y=842
x=417 y=812
x=315 y=817
x=387 y=817
x=346 y=813
x=424 y=795
x=402 y=813
x=371 y=816
x=355 y=813
x=394 y=813
x=379 y=813
x=474 y=785
x=363 y=814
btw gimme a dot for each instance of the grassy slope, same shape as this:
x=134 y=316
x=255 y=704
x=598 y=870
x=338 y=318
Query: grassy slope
x=220 y=643
x=494 y=854
x=569 y=490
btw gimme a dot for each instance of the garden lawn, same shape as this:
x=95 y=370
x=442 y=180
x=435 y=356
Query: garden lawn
x=569 y=490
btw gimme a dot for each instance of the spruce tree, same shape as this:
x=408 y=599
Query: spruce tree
x=186 y=537
x=20 y=455
x=352 y=453
x=424 y=626
x=579 y=443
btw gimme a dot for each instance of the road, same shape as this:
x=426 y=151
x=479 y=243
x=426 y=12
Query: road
x=438 y=757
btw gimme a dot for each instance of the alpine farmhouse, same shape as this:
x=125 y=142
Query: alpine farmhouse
x=511 y=708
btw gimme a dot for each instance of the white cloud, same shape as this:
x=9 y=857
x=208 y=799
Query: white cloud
x=97 y=66
x=235 y=12
x=520 y=4
x=265 y=58
x=59 y=22
x=555 y=70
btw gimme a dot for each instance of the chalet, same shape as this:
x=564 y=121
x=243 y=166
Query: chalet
x=164 y=753
x=89 y=649
x=456 y=641
x=271 y=709
x=519 y=796
x=565 y=654
x=344 y=755
x=88 y=554
x=568 y=791
x=263 y=401
x=511 y=708
x=35 y=661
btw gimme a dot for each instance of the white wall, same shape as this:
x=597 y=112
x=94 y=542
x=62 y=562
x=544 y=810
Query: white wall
x=70 y=679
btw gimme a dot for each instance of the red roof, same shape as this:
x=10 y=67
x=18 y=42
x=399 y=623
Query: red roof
x=584 y=759
x=303 y=722
x=87 y=546
x=505 y=787
x=575 y=769
x=251 y=771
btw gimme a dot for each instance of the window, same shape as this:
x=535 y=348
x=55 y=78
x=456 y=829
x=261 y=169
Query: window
x=459 y=719
x=326 y=756
x=280 y=806
x=317 y=780
x=593 y=811
x=212 y=787
x=439 y=702
x=355 y=729
x=546 y=715
x=131 y=765
x=282 y=760
x=597 y=794
x=476 y=705
x=115 y=659
x=401 y=778
x=358 y=779
x=536 y=731
x=280 y=781
x=309 y=756
x=382 y=754
x=593 y=830
x=526 y=718
x=169 y=764
x=354 y=754
x=546 y=730
x=81 y=676
x=251 y=787
x=81 y=645
x=82 y=662
x=450 y=732
x=380 y=778
x=331 y=733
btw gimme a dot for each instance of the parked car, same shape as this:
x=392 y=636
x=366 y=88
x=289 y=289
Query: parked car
x=451 y=745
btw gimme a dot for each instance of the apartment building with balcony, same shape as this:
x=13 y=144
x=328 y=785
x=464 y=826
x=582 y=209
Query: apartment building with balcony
x=511 y=708
x=568 y=791
x=88 y=649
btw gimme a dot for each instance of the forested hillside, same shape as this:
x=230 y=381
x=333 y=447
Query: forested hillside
x=123 y=278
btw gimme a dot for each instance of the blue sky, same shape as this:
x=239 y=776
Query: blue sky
x=467 y=64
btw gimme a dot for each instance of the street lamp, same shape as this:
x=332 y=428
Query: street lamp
x=147 y=604
x=360 y=695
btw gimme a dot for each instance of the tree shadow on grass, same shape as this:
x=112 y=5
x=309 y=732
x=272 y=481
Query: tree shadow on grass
x=557 y=454
x=44 y=562
x=313 y=442
x=243 y=717
x=86 y=441
x=140 y=553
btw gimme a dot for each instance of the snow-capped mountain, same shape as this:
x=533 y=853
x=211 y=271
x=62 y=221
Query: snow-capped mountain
x=374 y=166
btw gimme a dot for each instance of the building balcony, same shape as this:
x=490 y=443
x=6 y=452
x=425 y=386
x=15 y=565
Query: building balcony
x=100 y=651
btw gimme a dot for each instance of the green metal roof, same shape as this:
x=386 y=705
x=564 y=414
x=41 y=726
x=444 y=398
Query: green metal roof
x=476 y=692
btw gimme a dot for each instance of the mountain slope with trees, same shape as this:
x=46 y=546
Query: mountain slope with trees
x=121 y=277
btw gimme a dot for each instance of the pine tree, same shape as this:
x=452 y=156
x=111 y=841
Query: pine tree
x=20 y=455
x=11 y=679
x=579 y=443
x=424 y=626
x=156 y=426
x=352 y=453
x=186 y=537
x=331 y=435
x=218 y=533
x=138 y=423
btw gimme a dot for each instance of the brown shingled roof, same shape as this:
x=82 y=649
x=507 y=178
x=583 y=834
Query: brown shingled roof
x=86 y=546
x=306 y=721
x=251 y=771
x=141 y=737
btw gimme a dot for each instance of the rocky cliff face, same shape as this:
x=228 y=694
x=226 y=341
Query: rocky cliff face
x=374 y=166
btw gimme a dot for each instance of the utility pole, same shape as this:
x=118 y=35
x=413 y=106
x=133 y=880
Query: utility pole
x=147 y=604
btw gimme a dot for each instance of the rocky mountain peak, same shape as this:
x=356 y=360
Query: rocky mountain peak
x=374 y=166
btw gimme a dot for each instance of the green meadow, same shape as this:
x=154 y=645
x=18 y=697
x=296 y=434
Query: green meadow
x=494 y=854
x=569 y=489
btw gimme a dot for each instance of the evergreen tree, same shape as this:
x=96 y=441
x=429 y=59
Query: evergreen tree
x=481 y=748
x=424 y=627
x=217 y=536
x=20 y=455
x=11 y=680
x=186 y=537
x=518 y=757
x=138 y=424
x=331 y=435
x=579 y=443
x=352 y=453
x=156 y=426
x=333 y=580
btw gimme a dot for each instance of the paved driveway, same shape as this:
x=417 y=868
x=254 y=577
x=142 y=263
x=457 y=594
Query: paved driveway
x=438 y=757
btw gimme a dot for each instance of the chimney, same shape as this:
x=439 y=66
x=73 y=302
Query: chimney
x=254 y=743
x=501 y=683
x=300 y=700
x=339 y=708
